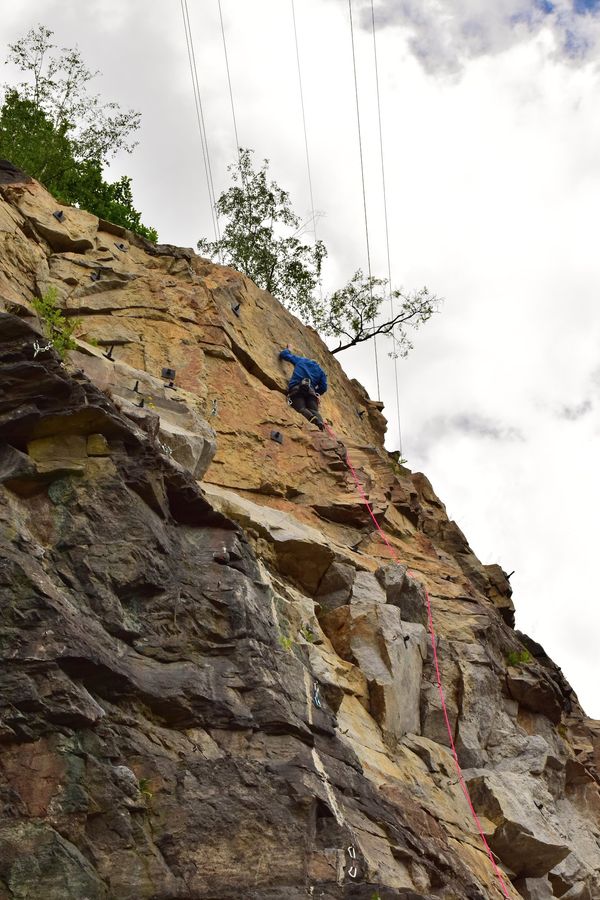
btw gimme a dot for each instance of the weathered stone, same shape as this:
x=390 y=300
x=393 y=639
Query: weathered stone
x=34 y=856
x=366 y=589
x=59 y=453
x=534 y=888
x=524 y=839
x=500 y=593
x=579 y=891
x=405 y=592
x=76 y=229
x=536 y=693
x=390 y=655
x=16 y=468
x=300 y=550
x=97 y=445
x=171 y=706
x=335 y=587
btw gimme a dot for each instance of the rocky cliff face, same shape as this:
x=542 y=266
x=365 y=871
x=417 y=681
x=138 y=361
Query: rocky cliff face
x=215 y=682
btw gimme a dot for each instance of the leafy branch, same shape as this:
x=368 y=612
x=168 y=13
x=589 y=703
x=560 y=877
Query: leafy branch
x=57 y=327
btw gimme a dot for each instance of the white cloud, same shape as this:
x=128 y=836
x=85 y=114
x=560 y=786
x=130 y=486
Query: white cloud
x=445 y=34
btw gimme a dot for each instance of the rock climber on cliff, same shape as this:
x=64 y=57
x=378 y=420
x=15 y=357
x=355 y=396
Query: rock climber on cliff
x=305 y=387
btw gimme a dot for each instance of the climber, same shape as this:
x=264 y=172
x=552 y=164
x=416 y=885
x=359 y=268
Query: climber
x=305 y=387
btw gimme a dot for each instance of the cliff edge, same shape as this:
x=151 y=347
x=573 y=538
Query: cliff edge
x=216 y=682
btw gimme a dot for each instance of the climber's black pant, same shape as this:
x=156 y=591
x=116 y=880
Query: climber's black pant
x=306 y=403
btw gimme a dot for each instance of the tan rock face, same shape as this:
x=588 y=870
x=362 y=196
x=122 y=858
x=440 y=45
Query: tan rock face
x=228 y=689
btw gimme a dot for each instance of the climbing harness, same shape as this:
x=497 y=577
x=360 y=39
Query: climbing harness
x=304 y=386
x=433 y=637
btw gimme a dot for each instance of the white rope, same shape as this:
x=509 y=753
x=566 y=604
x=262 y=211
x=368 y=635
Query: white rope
x=387 y=233
x=200 y=116
x=362 y=172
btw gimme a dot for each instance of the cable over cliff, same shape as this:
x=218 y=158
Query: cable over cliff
x=216 y=681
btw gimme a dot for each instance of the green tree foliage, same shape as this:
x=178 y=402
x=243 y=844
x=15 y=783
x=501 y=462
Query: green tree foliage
x=262 y=236
x=57 y=131
x=351 y=313
x=262 y=239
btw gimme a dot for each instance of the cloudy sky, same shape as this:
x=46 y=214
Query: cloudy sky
x=492 y=150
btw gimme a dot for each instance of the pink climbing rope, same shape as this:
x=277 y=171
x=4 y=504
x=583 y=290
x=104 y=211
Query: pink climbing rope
x=461 y=779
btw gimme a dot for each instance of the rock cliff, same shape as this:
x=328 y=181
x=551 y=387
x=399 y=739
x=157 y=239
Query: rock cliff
x=215 y=681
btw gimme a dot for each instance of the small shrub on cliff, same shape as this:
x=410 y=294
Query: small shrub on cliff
x=286 y=642
x=515 y=658
x=58 y=328
x=144 y=788
x=262 y=238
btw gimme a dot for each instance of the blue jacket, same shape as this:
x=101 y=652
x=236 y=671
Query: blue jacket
x=305 y=368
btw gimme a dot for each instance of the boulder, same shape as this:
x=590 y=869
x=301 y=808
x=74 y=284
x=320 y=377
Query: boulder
x=301 y=551
x=535 y=690
x=525 y=837
x=405 y=592
x=366 y=589
x=534 y=888
x=335 y=587
x=59 y=454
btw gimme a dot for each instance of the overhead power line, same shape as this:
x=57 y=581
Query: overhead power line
x=364 y=193
x=235 y=130
x=200 y=116
x=387 y=232
x=310 y=188
x=308 y=168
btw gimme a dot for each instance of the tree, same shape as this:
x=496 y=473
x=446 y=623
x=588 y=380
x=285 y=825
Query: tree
x=262 y=236
x=59 y=133
x=258 y=213
x=351 y=313
x=59 y=88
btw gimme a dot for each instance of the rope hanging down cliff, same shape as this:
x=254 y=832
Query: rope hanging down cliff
x=432 y=634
